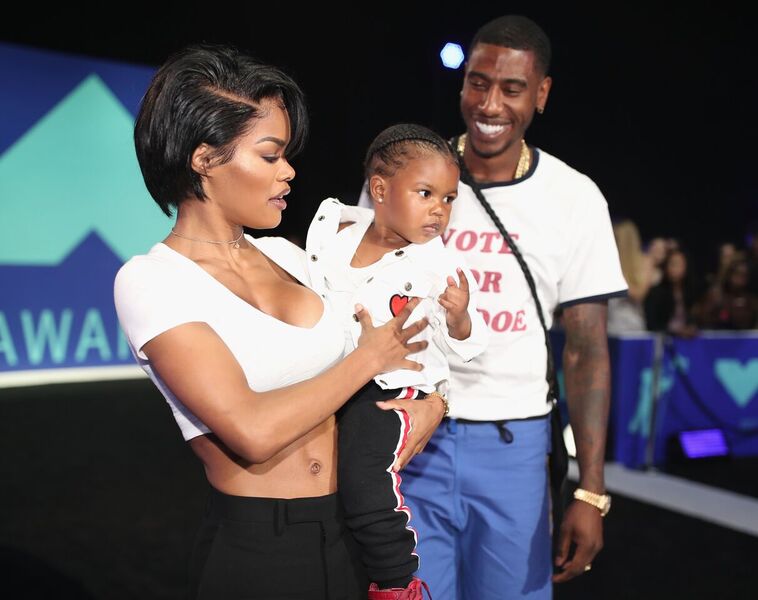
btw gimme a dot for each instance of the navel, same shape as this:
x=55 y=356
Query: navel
x=315 y=467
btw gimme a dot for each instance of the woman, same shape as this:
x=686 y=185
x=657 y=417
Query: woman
x=668 y=306
x=729 y=304
x=246 y=355
x=627 y=314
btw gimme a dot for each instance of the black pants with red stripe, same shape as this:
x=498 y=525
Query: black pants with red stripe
x=370 y=439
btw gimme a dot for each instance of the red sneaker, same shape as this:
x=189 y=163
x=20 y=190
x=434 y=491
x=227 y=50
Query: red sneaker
x=414 y=591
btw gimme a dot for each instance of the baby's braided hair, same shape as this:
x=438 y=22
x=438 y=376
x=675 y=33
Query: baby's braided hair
x=396 y=145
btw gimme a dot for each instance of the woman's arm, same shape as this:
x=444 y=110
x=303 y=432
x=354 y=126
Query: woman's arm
x=201 y=371
x=638 y=290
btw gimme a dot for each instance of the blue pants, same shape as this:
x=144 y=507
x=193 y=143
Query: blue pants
x=480 y=505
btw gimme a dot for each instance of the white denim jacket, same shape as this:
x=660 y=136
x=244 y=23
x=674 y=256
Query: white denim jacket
x=384 y=287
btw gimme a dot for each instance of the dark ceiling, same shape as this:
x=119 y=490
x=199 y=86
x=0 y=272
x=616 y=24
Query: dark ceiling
x=655 y=104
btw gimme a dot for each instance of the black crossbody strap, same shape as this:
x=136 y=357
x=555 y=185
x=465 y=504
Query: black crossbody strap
x=558 y=458
x=552 y=393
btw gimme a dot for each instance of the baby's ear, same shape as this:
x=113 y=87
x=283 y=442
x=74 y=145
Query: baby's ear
x=376 y=188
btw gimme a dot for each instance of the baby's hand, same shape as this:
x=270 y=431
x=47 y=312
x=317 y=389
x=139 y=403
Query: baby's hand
x=455 y=302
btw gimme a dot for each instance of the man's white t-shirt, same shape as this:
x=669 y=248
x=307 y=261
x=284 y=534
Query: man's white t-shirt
x=559 y=220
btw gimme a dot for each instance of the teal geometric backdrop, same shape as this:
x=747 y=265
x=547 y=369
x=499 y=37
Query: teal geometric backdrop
x=73 y=206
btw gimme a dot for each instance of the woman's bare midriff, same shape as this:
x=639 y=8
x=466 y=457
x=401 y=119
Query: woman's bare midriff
x=306 y=468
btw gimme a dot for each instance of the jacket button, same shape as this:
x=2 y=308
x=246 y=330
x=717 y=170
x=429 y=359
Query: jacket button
x=369 y=280
x=399 y=253
x=314 y=258
x=321 y=217
x=408 y=286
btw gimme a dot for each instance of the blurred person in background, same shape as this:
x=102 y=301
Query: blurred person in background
x=656 y=250
x=668 y=306
x=752 y=256
x=627 y=314
x=730 y=305
x=727 y=253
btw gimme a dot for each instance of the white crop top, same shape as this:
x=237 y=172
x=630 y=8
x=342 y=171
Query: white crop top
x=163 y=289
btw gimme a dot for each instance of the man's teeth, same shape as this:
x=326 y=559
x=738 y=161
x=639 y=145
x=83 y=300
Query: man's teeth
x=487 y=129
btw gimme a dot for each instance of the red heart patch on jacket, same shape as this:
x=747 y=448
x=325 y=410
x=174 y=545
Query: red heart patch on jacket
x=397 y=302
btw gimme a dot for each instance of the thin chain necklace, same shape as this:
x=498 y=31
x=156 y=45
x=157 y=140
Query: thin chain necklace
x=235 y=242
x=359 y=262
x=524 y=159
x=358 y=259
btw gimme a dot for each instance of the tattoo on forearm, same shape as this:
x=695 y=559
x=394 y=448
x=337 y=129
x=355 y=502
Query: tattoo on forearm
x=586 y=371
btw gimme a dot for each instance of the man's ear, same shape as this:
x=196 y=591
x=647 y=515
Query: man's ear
x=376 y=188
x=543 y=91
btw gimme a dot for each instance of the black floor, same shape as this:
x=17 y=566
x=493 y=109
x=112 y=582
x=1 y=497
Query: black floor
x=101 y=497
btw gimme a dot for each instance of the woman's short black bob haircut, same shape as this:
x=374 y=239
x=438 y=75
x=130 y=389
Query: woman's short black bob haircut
x=206 y=94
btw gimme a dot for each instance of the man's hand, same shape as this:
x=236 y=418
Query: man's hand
x=582 y=528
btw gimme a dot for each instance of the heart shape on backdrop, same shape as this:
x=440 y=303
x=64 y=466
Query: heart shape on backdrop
x=397 y=302
x=741 y=381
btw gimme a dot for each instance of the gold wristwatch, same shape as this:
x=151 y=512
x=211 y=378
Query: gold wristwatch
x=600 y=501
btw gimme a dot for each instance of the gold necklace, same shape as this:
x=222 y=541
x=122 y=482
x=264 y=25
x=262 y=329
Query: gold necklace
x=235 y=242
x=524 y=159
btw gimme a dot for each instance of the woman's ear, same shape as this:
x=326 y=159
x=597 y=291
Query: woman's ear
x=376 y=188
x=201 y=159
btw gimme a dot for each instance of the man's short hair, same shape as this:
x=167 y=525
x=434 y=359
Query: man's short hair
x=519 y=33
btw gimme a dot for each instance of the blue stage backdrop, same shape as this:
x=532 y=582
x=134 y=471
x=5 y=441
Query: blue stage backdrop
x=710 y=382
x=73 y=207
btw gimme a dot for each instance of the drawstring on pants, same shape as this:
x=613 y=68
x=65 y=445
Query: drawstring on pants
x=505 y=434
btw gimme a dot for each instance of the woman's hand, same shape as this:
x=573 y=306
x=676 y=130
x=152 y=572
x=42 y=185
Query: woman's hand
x=387 y=346
x=425 y=415
x=455 y=302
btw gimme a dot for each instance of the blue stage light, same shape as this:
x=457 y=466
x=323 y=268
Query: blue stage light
x=452 y=55
x=703 y=443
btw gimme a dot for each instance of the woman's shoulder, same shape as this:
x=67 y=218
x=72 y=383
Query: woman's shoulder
x=147 y=281
x=158 y=264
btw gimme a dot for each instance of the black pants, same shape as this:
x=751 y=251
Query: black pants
x=275 y=549
x=369 y=441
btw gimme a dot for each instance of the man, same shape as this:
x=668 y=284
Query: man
x=479 y=492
